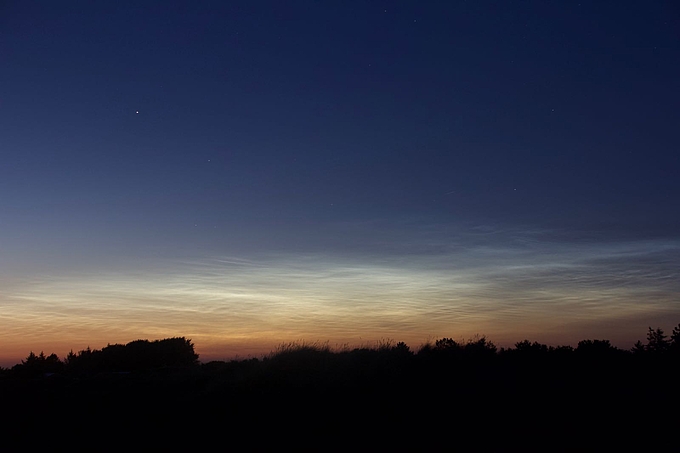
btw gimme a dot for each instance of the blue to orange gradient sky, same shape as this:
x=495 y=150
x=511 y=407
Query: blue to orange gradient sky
x=250 y=173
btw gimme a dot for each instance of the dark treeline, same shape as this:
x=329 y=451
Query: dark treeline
x=137 y=355
x=390 y=393
x=179 y=352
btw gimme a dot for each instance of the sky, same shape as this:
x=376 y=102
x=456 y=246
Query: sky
x=252 y=173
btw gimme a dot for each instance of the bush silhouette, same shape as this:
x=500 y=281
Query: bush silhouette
x=135 y=356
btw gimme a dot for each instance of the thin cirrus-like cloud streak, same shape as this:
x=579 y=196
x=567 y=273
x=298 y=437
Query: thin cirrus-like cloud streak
x=510 y=288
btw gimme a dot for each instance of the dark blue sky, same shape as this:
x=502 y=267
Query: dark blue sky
x=132 y=131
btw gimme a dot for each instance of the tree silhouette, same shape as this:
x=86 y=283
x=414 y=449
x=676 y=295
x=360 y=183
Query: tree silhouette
x=447 y=344
x=657 y=341
x=596 y=347
x=675 y=339
x=638 y=348
x=480 y=347
x=37 y=365
x=525 y=347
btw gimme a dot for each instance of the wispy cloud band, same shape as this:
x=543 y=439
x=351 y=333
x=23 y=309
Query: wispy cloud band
x=506 y=287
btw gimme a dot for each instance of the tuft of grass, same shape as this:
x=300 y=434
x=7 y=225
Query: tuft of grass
x=384 y=344
x=299 y=348
x=426 y=347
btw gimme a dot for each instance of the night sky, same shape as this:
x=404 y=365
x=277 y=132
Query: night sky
x=248 y=173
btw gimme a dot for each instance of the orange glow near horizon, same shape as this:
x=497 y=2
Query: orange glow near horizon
x=235 y=307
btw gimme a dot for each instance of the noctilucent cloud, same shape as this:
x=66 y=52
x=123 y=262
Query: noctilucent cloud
x=251 y=173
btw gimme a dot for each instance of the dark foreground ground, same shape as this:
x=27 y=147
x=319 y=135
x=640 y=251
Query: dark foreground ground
x=390 y=399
